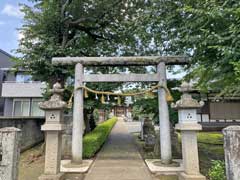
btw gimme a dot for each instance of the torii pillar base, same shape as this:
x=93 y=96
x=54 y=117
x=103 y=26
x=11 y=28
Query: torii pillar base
x=70 y=167
x=184 y=176
x=59 y=176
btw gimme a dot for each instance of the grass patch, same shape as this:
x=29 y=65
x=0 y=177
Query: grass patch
x=94 y=140
x=210 y=146
x=215 y=138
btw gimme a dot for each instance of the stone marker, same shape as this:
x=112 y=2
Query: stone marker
x=148 y=127
x=67 y=137
x=53 y=128
x=9 y=153
x=141 y=133
x=188 y=125
x=232 y=152
x=149 y=134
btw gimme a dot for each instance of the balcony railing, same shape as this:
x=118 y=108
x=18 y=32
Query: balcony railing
x=27 y=82
x=22 y=89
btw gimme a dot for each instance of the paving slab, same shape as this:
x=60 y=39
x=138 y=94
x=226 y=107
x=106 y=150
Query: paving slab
x=119 y=158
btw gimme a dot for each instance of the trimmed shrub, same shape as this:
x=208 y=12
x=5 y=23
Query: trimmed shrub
x=94 y=140
x=217 y=171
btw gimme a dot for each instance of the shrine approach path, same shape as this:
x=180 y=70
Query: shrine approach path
x=119 y=158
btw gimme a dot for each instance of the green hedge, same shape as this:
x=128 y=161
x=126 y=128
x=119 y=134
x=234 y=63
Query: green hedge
x=93 y=141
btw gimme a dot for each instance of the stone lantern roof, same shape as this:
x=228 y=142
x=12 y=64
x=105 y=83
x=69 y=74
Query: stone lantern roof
x=55 y=101
x=186 y=101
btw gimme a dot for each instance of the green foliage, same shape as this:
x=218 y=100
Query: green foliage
x=75 y=28
x=93 y=141
x=237 y=70
x=148 y=105
x=207 y=31
x=217 y=171
x=96 y=114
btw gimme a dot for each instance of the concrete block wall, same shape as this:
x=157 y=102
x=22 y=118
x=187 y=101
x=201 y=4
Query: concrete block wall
x=30 y=127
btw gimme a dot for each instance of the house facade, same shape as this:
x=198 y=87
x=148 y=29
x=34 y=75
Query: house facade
x=19 y=94
x=219 y=109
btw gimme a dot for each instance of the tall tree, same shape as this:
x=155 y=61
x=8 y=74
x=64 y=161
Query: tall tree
x=208 y=31
x=75 y=28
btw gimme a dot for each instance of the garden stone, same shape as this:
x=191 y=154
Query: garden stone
x=157 y=150
x=149 y=134
x=150 y=141
x=148 y=127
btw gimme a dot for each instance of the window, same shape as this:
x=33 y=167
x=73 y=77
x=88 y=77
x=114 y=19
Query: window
x=35 y=110
x=27 y=107
x=21 y=77
x=21 y=107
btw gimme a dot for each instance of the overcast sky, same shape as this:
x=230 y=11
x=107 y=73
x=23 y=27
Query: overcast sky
x=10 y=19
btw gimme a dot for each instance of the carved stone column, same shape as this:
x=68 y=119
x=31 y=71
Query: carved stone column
x=188 y=126
x=53 y=128
x=232 y=152
x=9 y=153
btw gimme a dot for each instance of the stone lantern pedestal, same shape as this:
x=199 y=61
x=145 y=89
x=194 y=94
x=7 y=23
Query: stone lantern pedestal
x=53 y=128
x=188 y=126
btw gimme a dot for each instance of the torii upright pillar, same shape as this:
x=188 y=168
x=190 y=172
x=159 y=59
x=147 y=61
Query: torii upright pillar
x=77 y=130
x=165 y=136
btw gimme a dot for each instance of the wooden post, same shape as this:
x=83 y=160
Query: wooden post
x=165 y=136
x=77 y=131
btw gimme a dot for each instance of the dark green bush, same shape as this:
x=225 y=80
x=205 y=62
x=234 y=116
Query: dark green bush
x=93 y=141
x=217 y=171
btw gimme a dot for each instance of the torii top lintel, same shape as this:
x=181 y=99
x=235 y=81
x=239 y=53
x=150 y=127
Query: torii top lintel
x=122 y=61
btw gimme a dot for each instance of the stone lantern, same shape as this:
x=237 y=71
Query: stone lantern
x=188 y=126
x=53 y=128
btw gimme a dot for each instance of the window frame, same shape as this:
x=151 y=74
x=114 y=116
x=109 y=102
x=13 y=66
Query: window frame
x=31 y=106
x=21 y=100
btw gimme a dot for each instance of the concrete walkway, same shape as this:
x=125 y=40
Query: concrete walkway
x=119 y=159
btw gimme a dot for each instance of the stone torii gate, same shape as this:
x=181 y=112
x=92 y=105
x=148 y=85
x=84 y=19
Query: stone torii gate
x=80 y=78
